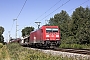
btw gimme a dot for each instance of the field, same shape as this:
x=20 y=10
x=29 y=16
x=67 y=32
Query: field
x=16 y=52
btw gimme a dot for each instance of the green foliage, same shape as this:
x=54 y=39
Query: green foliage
x=4 y=54
x=1 y=45
x=76 y=46
x=1 y=30
x=74 y=29
x=27 y=30
x=59 y=18
x=14 y=49
x=81 y=25
x=1 y=36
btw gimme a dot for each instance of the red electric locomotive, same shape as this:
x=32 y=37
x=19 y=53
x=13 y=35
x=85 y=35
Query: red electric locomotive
x=46 y=36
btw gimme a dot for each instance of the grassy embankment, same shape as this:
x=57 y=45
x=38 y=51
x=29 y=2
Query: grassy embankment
x=17 y=52
x=4 y=55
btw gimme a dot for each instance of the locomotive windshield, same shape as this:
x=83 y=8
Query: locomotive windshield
x=51 y=30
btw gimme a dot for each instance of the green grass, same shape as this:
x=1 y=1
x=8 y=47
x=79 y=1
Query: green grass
x=1 y=45
x=76 y=46
x=4 y=53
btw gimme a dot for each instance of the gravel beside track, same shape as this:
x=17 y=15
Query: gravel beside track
x=64 y=54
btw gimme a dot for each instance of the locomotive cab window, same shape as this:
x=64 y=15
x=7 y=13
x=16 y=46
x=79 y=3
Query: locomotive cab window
x=55 y=30
x=48 y=30
x=51 y=30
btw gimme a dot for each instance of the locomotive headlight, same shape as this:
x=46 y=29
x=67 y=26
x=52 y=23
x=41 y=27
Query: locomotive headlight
x=47 y=35
x=47 y=39
x=57 y=35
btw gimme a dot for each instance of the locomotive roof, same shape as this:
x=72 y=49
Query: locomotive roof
x=49 y=27
x=45 y=27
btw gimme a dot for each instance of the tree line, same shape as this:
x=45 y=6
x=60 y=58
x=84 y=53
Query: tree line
x=1 y=36
x=74 y=28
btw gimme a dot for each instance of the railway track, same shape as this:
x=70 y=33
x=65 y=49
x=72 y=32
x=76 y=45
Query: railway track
x=75 y=53
x=78 y=51
x=70 y=50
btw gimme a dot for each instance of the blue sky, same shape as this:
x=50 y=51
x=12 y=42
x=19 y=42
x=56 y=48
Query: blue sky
x=32 y=11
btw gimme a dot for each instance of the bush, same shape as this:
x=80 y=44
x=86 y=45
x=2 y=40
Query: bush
x=1 y=45
x=76 y=46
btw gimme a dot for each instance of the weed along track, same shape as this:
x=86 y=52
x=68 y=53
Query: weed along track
x=75 y=53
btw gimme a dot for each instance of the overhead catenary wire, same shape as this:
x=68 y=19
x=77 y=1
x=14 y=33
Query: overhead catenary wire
x=56 y=9
x=61 y=6
x=21 y=9
x=18 y=14
x=52 y=11
x=49 y=9
x=79 y=5
x=46 y=11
